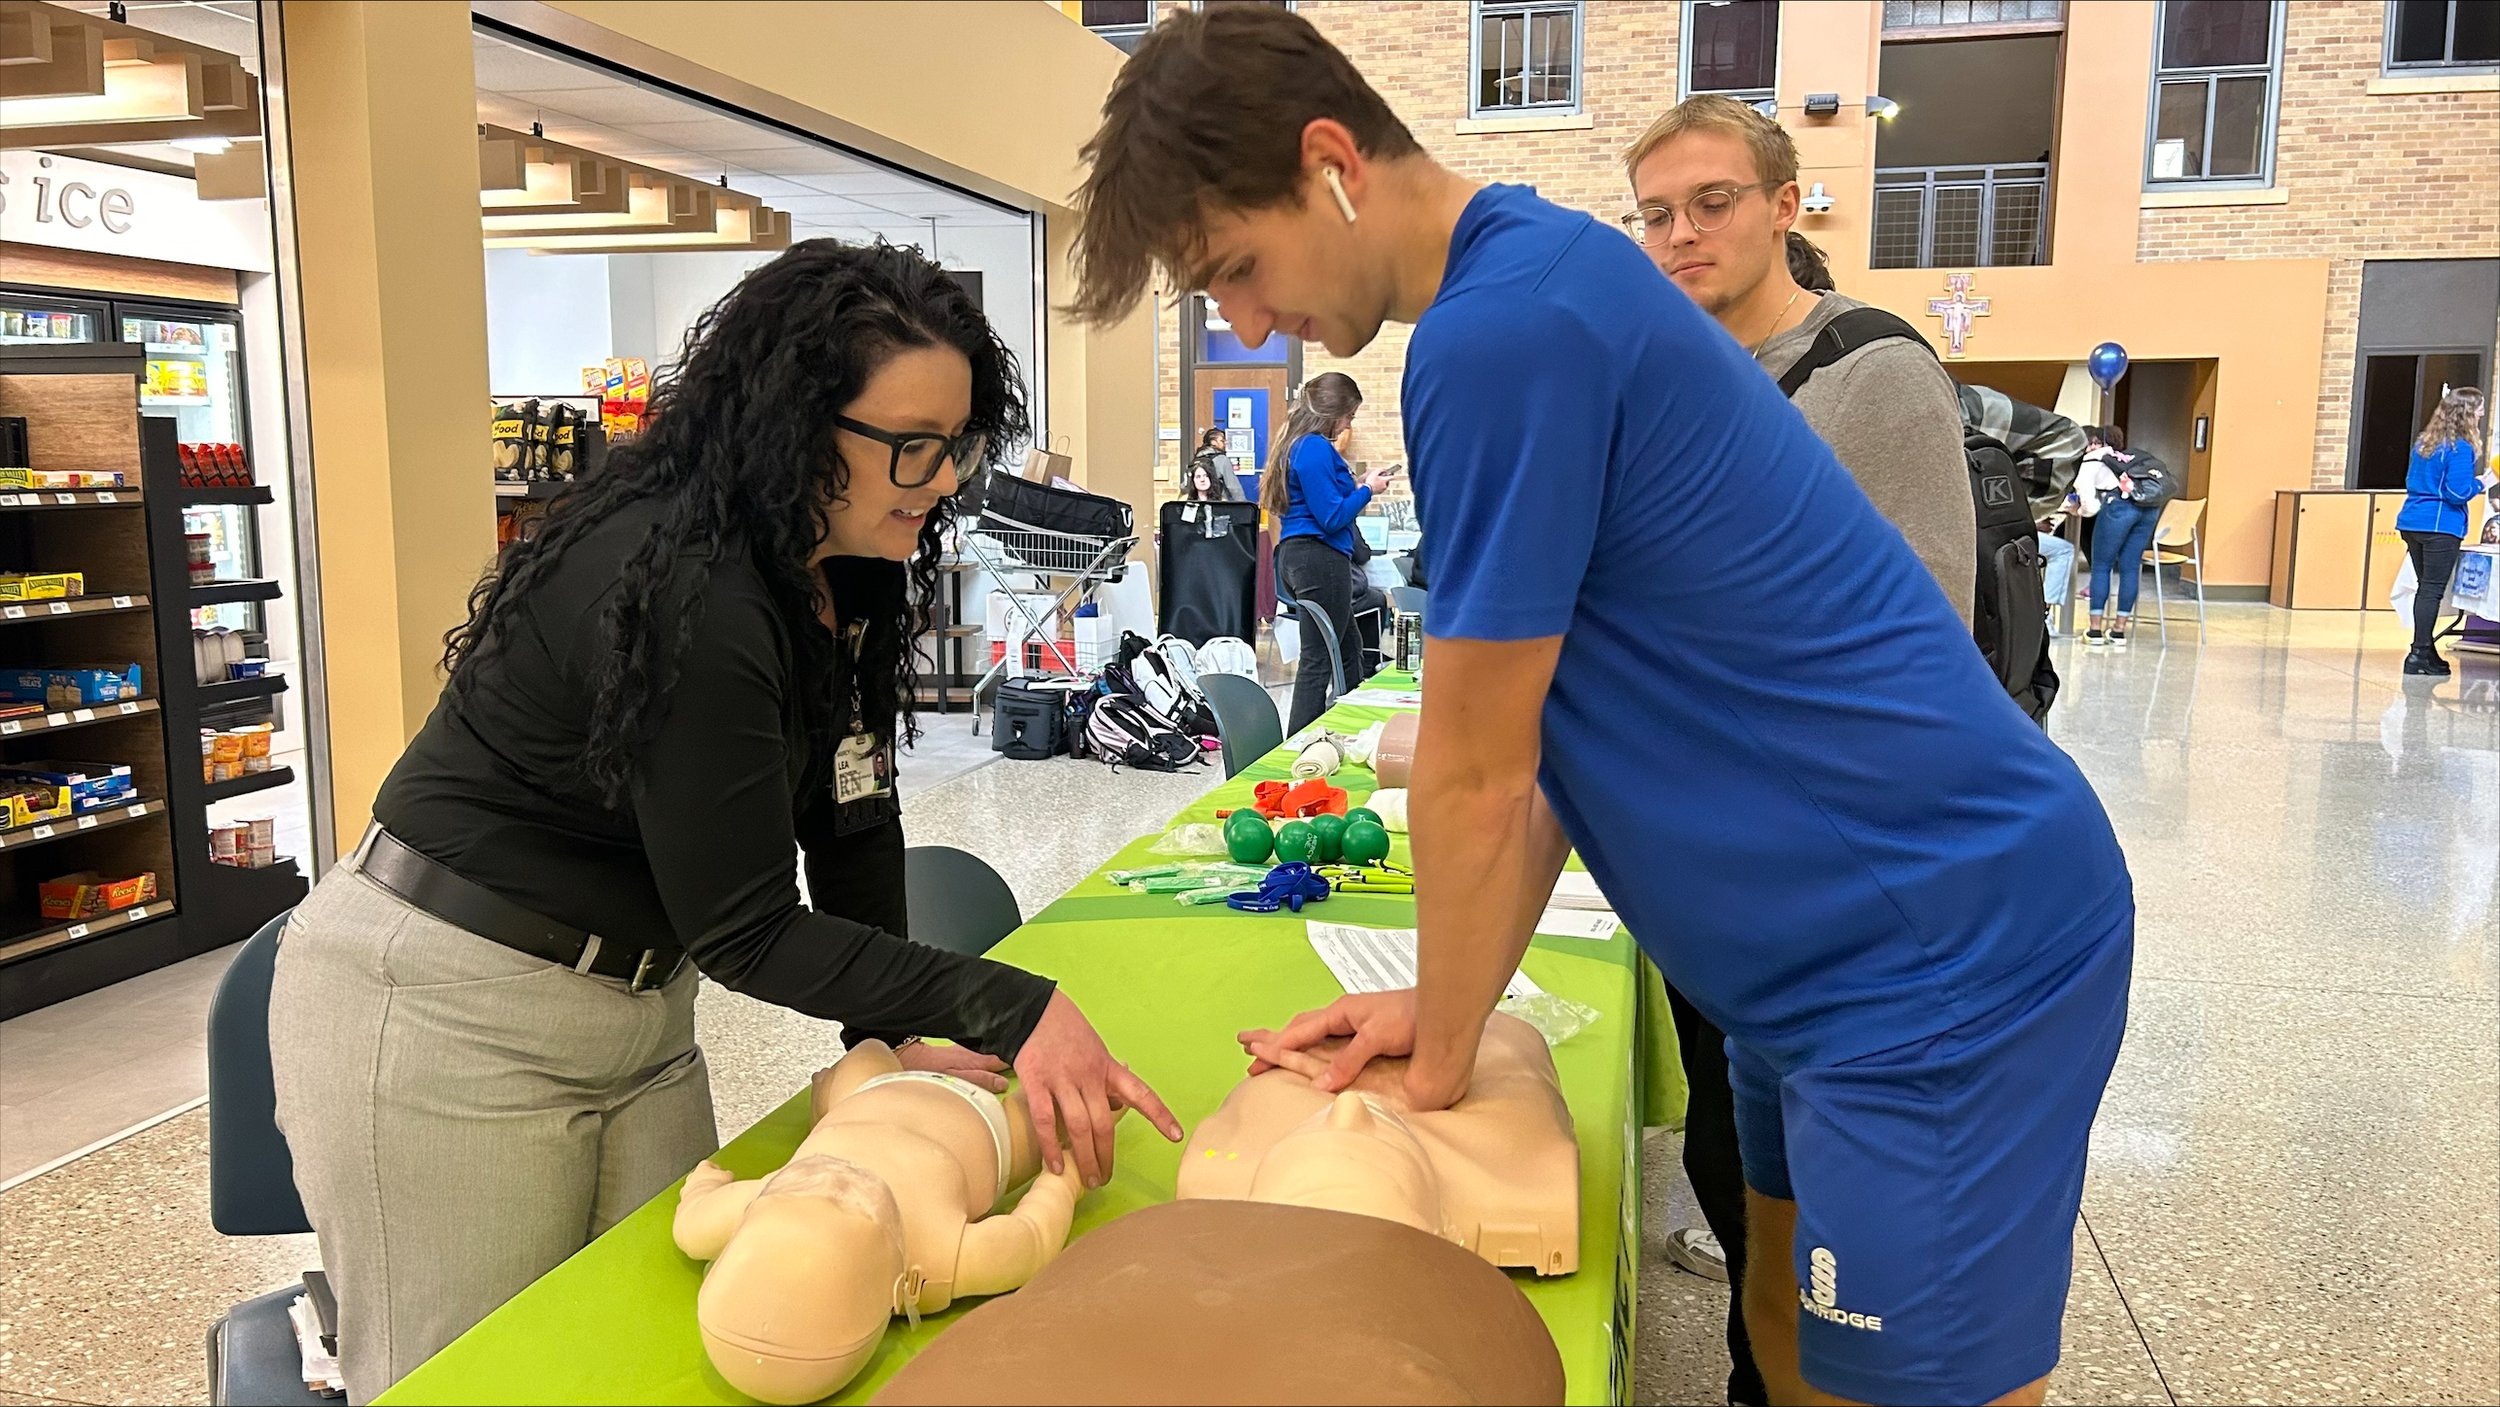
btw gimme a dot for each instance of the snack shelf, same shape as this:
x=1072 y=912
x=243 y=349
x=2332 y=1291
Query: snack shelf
x=236 y=690
x=249 y=495
x=246 y=784
x=60 y=720
x=91 y=397
x=70 y=606
x=71 y=498
x=218 y=593
x=63 y=827
x=55 y=935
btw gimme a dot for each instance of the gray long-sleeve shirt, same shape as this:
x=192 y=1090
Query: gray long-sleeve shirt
x=1890 y=413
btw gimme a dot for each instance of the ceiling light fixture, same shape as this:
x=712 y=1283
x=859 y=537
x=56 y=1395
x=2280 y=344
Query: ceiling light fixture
x=68 y=78
x=553 y=198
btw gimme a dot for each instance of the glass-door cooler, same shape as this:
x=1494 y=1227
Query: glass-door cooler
x=36 y=318
x=194 y=377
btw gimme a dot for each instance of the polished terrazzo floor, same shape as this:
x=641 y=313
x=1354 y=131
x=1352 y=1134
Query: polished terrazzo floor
x=2295 y=1192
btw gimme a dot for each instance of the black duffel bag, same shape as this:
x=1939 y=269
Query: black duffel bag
x=1012 y=503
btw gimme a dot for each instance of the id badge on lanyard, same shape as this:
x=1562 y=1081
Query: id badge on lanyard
x=863 y=766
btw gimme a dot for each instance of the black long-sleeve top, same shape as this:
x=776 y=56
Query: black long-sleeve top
x=726 y=790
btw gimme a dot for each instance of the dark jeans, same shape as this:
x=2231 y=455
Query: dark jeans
x=1308 y=569
x=1718 y=1176
x=2124 y=531
x=2434 y=562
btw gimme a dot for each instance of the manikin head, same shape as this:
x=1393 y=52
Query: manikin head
x=1261 y=199
x=1353 y=1156
x=1713 y=161
x=814 y=1270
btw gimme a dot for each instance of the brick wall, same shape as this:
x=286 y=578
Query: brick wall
x=2370 y=176
x=1415 y=53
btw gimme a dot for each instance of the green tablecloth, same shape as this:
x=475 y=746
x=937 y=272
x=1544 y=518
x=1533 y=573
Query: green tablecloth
x=1167 y=985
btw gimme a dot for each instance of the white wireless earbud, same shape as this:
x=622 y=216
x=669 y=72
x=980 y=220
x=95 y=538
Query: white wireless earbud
x=1336 y=187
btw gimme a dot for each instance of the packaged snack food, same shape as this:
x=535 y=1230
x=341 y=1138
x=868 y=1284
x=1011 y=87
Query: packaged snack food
x=87 y=894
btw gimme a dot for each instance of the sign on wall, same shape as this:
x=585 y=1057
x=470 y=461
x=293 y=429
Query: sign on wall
x=67 y=203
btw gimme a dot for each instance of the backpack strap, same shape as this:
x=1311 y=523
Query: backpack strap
x=1841 y=336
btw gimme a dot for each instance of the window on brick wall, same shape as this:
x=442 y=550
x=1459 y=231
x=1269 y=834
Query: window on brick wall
x=1123 y=22
x=2443 y=36
x=2219 y=67
x=1526 y=58
x=1732 y=47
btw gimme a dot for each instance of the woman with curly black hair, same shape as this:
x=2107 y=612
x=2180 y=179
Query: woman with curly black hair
x=482 y=1023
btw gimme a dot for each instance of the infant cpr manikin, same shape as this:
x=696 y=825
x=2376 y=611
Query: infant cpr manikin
x=885 y=1209
x=1497 y=1173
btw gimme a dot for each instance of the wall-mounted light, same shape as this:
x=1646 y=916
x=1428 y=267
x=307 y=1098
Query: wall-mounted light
x=1768 y=107
x=1877 y=105
x=1818 y=201
x=1822 y=104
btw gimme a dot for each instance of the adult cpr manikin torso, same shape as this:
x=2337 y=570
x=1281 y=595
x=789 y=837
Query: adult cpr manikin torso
x=883 y=1210
x=1497 y=1173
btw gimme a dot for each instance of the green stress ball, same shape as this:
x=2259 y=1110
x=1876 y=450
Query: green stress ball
x=1247 y=838
x=1364 y=813
x=1297 y=843
x=1366 y=842
x=1329 y=831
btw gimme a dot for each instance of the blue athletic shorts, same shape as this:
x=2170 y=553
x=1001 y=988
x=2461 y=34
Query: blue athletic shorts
x=1937 y=1185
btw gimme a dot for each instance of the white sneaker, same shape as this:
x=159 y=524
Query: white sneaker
x=1694 y=1249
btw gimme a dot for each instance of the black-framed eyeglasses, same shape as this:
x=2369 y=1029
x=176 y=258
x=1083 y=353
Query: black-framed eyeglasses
x=919 y=455
x=1707 y=211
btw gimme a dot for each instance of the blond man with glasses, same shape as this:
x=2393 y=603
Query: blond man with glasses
x=1714 y=186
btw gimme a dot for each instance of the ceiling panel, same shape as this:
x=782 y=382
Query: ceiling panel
x=509 y=68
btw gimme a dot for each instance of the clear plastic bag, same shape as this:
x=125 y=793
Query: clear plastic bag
x=1190 y=840
x=1557 y=1019
x=1178 y=879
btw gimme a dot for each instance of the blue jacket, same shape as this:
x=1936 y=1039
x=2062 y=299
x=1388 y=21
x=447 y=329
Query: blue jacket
x=2438 y=486
x=1325 y=500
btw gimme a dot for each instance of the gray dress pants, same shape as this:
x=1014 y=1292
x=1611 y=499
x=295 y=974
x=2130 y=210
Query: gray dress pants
x=464 y=1116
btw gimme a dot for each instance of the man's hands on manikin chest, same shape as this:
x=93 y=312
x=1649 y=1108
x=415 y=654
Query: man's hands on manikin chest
x=1487 y=850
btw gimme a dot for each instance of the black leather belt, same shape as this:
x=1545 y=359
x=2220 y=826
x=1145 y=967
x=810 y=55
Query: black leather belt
x=463 y=903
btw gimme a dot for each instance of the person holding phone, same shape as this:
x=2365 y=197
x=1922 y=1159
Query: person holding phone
x=1310 y=494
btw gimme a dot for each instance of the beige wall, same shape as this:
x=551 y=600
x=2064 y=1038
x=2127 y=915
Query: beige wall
x=382 y=126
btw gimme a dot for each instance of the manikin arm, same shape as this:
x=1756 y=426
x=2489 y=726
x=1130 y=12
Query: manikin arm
x=865 y=1062
x=710 y=1208
x=1000 y=1253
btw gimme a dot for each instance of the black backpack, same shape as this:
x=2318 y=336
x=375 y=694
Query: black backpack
x=2009 y=608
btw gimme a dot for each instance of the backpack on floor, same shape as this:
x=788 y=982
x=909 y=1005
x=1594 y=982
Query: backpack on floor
x=1165 y=676
x=1125 y=732
x=2009 y=614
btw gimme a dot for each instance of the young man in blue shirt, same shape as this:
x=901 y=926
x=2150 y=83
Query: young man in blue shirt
x=1669 y=630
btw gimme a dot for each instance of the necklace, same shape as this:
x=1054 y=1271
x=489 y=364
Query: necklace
x=1775 y=324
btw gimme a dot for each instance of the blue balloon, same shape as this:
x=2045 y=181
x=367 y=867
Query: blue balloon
x=2107 y=364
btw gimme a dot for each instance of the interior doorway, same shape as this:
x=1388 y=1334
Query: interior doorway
x=2398 y=391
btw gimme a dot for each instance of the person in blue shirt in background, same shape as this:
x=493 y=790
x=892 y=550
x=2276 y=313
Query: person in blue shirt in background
x=1669 y=630
x=1310 y=494
x=2440 y=482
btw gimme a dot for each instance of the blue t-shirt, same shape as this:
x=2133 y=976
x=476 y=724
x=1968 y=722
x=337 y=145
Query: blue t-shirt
x=2439 y=486
x=1769 y=734
x=1325 y=500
